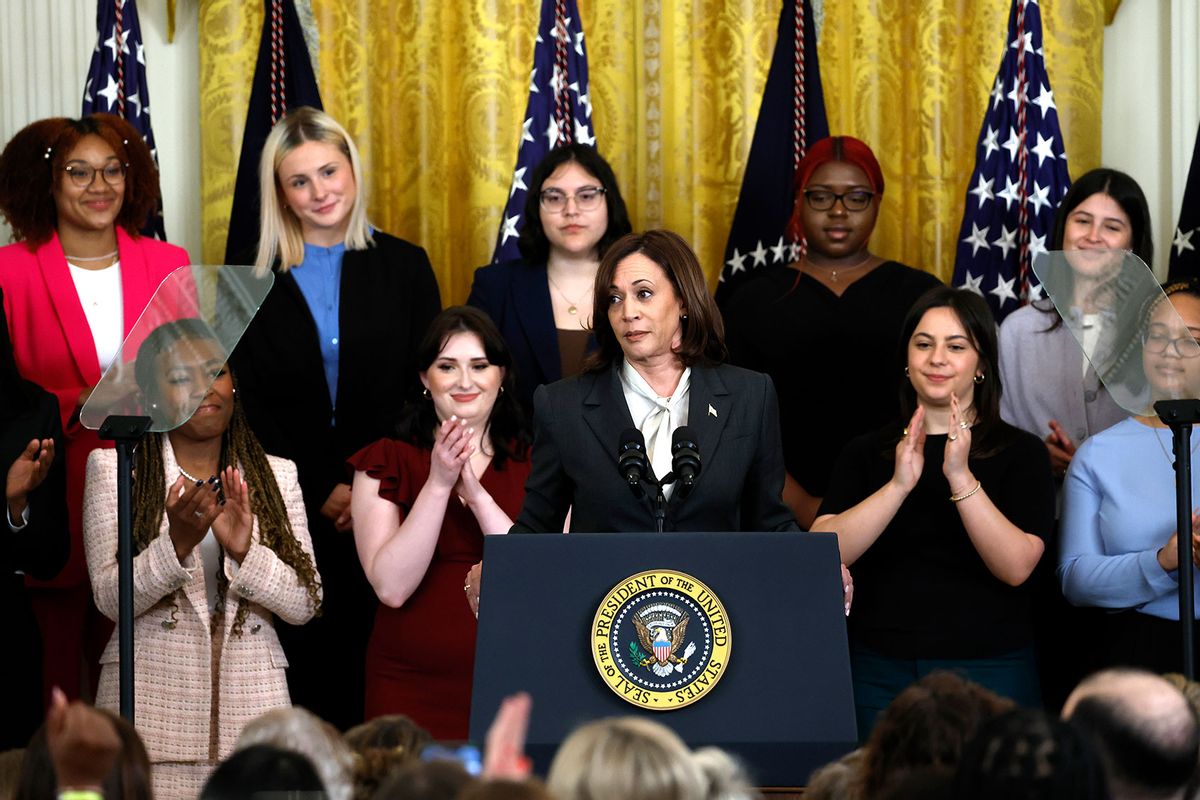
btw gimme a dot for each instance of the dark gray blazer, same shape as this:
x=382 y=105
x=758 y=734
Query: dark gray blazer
x=734 y=415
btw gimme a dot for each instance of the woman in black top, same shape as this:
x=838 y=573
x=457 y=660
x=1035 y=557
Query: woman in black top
x=803 y=322
x=943 y=520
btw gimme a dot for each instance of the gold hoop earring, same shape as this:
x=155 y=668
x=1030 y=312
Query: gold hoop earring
x=906 y=372
x=979 y=378
x=425 y=393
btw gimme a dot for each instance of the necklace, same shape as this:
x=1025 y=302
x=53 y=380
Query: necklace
x=572 y=306
x=189 y=476
x=833 y=273
x=93 y=259
x=1166 y=452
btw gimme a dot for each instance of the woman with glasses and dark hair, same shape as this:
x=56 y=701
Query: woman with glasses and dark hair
x=942 y=514
x=422 y=504
x=323 y=367
x=836 y=300
x=542 y=302
x=1118 y=548
x=76 y=194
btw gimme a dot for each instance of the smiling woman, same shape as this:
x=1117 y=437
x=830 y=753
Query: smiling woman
x=221 y=548
x=943 y=518
x=325 y=366
x=76 y=193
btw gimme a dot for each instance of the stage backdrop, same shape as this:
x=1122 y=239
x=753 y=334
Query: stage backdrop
x=433 y=93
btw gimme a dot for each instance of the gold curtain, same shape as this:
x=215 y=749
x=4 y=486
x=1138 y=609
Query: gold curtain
x=434 y=94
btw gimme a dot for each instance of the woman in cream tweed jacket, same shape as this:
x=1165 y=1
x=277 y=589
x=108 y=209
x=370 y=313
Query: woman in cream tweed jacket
x=206 y=657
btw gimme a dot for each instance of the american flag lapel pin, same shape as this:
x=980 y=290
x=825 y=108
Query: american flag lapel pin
x=712 y=412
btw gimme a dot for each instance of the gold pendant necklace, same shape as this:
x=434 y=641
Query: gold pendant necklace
x=572 y=306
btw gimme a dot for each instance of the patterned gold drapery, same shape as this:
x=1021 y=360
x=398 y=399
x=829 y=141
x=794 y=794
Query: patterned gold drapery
x=434 y=93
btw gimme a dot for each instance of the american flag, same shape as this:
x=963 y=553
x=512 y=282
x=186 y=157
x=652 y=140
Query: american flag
x=1185 y=247
x=791 y=117
x=559 y=110
x=1020 y=174
x=116 y=79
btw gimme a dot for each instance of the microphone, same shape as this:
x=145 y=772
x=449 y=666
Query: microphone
x=685 y=458
x=631 y=459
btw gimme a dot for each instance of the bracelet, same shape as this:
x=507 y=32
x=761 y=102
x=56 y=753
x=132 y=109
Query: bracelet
x=80 y=794
x=958 y=498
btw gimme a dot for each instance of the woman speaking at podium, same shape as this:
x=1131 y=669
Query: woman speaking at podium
x=657 y=367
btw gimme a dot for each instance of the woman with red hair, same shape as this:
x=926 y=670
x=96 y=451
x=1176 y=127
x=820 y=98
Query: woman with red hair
x=829 y=323
x=76 y=192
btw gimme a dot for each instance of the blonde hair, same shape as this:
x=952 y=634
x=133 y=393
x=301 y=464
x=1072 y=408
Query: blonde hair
x=301 y=731
x=279 y=229
x=627 y=757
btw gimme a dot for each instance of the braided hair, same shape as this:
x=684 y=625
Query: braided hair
x=239 y=448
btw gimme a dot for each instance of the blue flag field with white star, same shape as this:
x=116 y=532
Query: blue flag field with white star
x=116 y=79
x=1008 y=218
x=1185 y=246
x=791 y=117
x=559 y=110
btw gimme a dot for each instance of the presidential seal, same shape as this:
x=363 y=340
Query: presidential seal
x=661 y=639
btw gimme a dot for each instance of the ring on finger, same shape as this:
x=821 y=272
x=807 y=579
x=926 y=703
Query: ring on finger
x=964 y=425
x=952 y=436
x=197 y=513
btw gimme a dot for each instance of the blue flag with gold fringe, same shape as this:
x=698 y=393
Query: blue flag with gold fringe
x=791 y=117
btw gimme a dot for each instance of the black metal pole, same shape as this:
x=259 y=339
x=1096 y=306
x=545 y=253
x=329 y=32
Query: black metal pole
x=126 y=432
x=1180 y=416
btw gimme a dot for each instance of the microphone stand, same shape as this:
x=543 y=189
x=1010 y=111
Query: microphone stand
x=660 y=502
x=1180 y=416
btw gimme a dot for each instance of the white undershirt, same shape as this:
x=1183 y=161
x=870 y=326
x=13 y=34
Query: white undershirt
x=656 y=417
x=103 y=304
x=1091 y=324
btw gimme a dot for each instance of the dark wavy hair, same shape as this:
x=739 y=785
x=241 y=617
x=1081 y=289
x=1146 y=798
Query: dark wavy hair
x=532 y=241
x=35 y=158
x=990 y=433
x=703 y=328
x=506 y=424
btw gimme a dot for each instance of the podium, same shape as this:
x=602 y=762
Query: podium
x=783 y=702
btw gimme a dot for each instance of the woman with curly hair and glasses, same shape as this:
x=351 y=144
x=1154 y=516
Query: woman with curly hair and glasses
x=221 y=547
x=76 y=193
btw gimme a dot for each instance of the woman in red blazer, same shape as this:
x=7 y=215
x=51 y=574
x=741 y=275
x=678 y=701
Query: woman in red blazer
x=76 y=193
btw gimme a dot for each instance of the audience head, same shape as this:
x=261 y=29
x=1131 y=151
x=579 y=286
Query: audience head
x=928 y=724
x=1144 y=729
x=834 y=780
x=459 y=336
x=382 y=745
x=836 y=165
x=311 y=188
x=303 y=732
x=264 y=771
x=1104 y=208
x=652 y=283
x=627 y=757
x=1026 y=753
x=724 y=776
x=51 y=170
x=529 y=789
x=957 y=326
x=567 y=170
x=439 y=779
x=128 y=779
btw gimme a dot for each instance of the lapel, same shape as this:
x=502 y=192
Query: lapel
x=707 y=391
x=135 y=279
x=307 y=358
x=194 y=590
x=534 y=313
x=605 y=410
x=65 y=300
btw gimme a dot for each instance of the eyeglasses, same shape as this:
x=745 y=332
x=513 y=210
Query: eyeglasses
x=586 y=199
x=1157 y=343
x=822 y=200
x=82 y=174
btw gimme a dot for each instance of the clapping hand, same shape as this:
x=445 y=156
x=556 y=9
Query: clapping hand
x=451 y=449
x=1168 y=554
x=27 y=473
x=191 y=509
x=83 y=743
x=234 y=521
x=958 y=448
x=910 y=453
